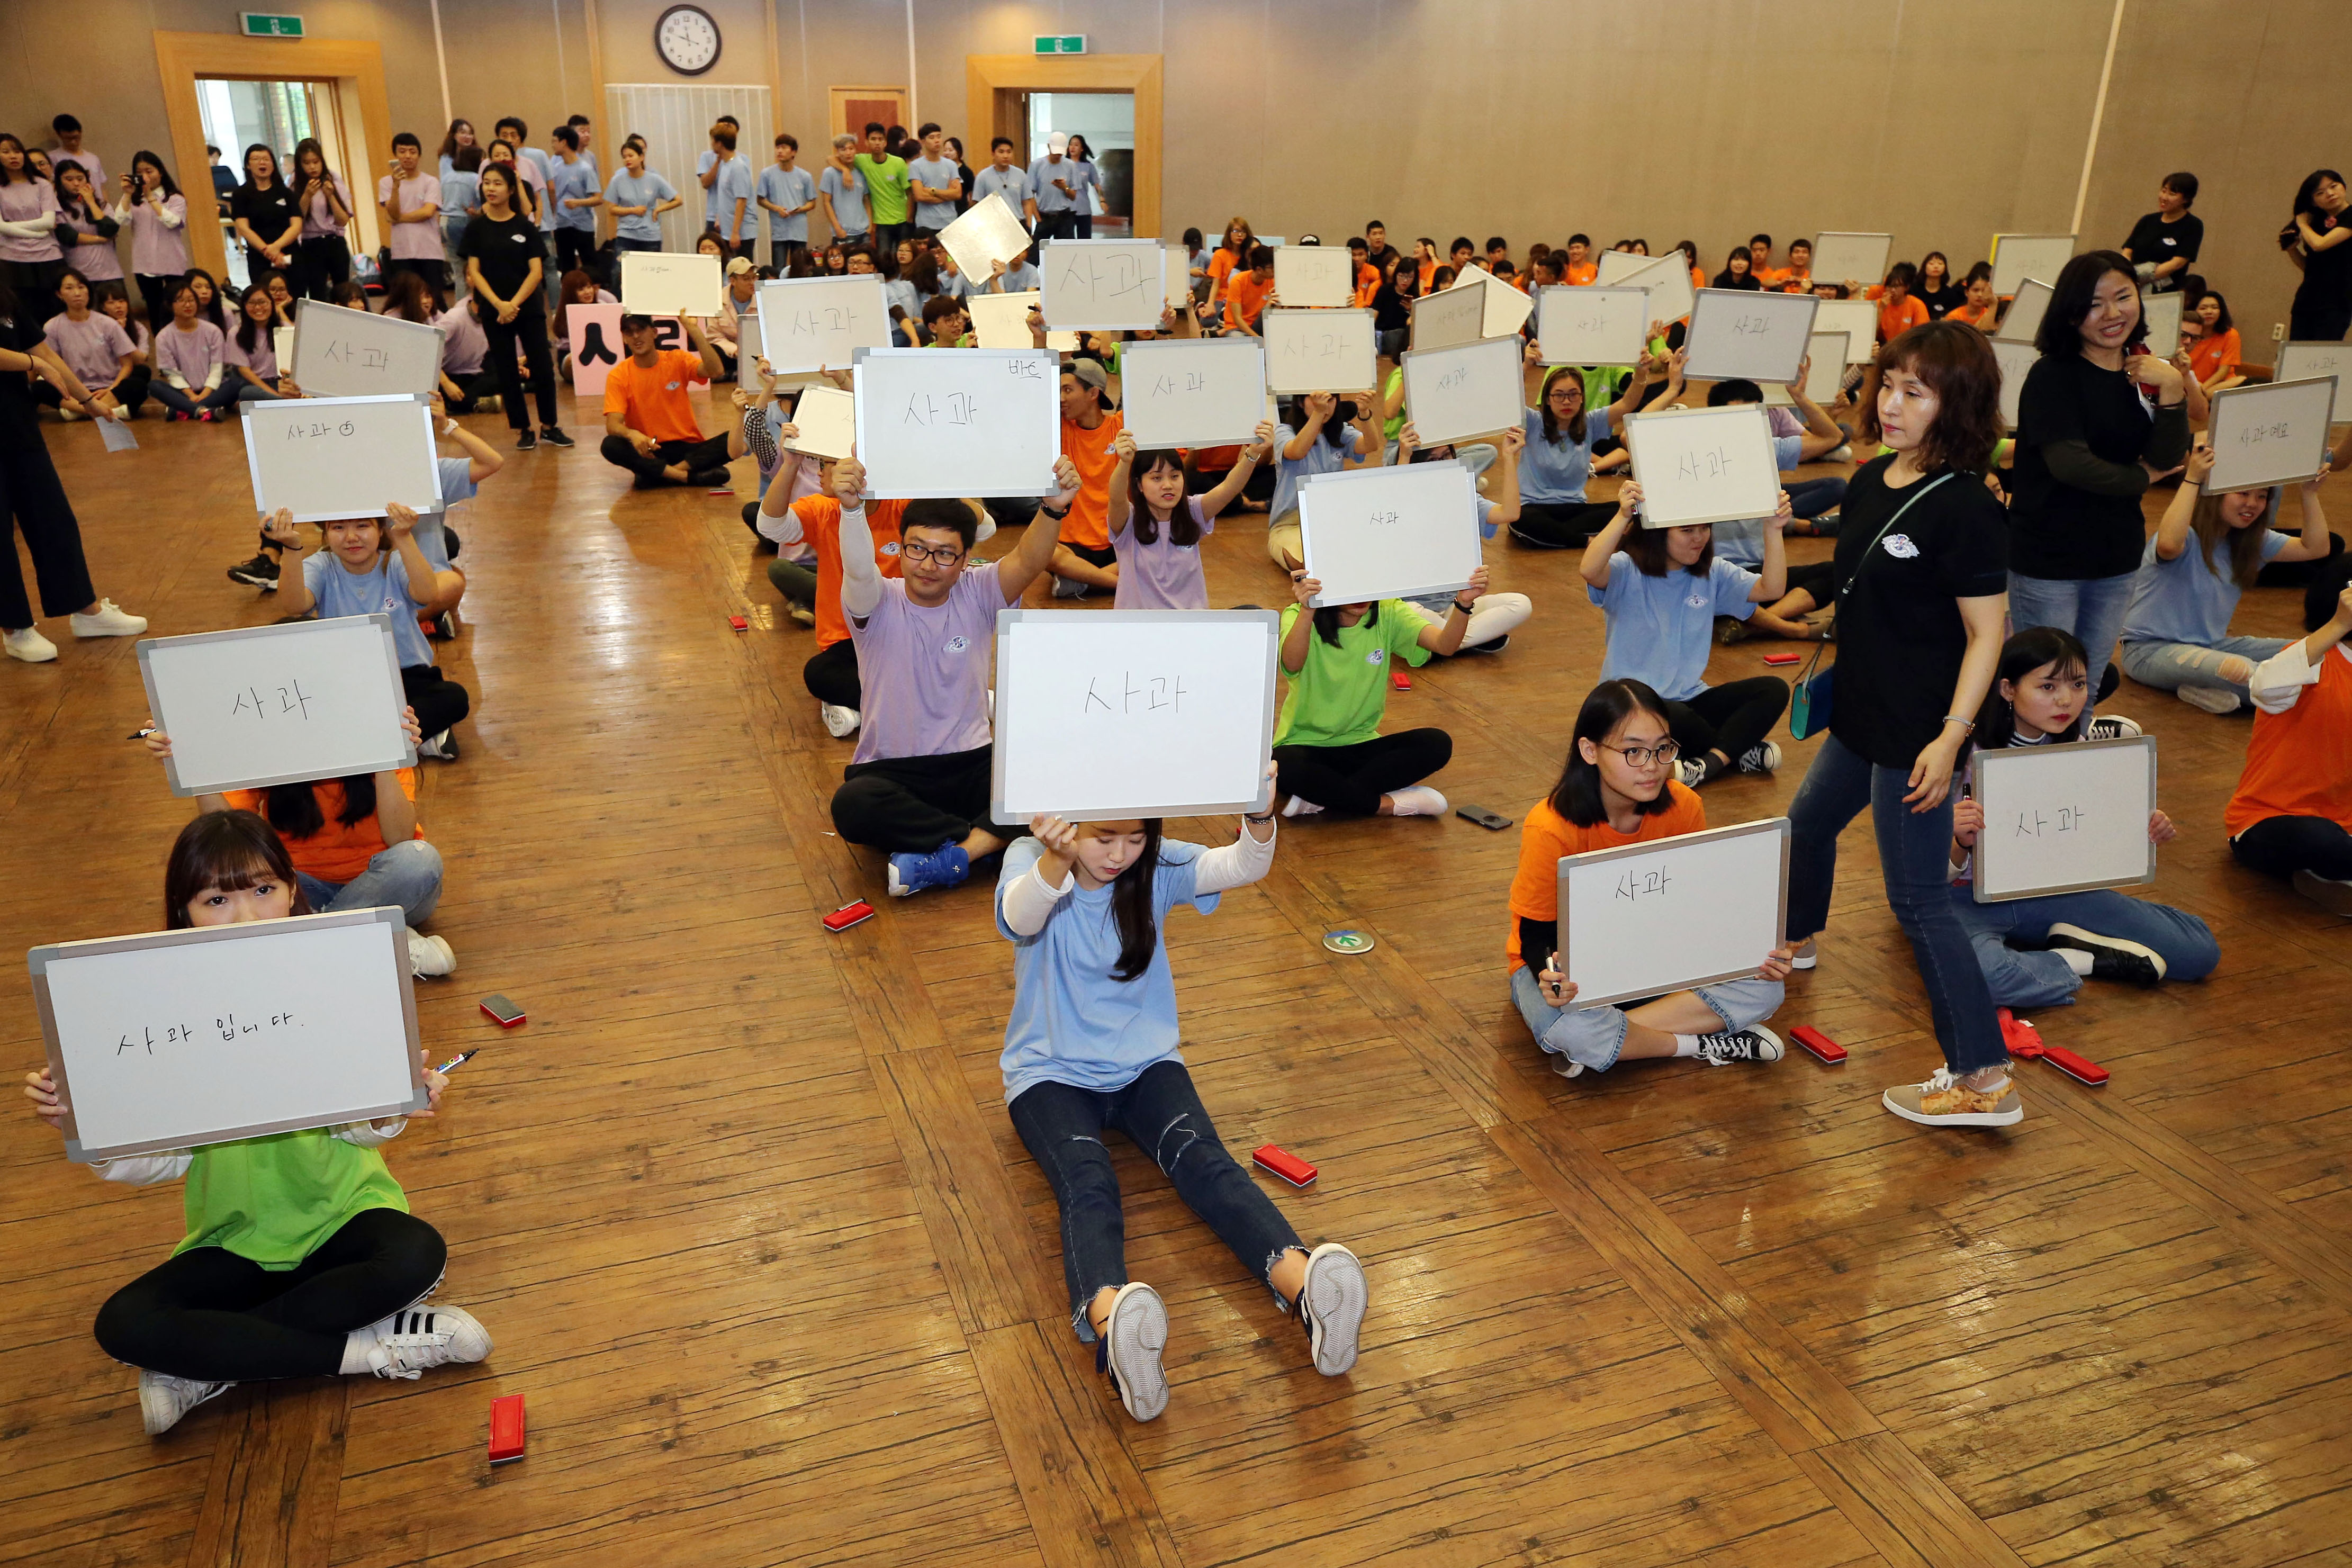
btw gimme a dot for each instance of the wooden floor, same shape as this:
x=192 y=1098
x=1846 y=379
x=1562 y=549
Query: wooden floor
x=743 y=1210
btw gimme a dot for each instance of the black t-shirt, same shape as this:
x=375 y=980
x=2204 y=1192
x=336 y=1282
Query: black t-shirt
x=2055 y=530
x=18 y=426
x=1900 y=638
x=269 y=212
x=2153 y=239
x=1941 y=302
x=2327 y=274
x=506 y=250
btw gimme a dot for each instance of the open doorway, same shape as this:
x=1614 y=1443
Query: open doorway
x=1114 y=100
x=239 y=114
x=1107 y=122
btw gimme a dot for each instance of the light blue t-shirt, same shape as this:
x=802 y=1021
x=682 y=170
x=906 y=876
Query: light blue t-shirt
x=645 y=190
x=456 y=476
x=1014 y=183
x=1742 y=542
x=1022 y=277
x=734 y=182
x=460 y=192
x=1661 y=629
x=538 y=159
x=847 y=195
x=702 y=162
x=938 y=174
x=1071 y=1023
x=1553 y=472
x=2186 y=600
x=384 y=587
x=1050 y=199
x=788 y=188
x=1322 y=458
x=572 y=180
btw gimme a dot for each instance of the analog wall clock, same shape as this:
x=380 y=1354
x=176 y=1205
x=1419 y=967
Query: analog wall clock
x=687 y=39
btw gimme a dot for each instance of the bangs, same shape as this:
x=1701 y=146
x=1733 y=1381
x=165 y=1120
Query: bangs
x=230 y=867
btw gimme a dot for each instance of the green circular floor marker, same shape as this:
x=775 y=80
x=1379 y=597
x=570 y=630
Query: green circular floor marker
x=1347 y=940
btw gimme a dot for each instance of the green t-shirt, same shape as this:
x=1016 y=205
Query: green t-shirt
x=1394 y=424
x=885 y=187
x=1338 y=695
x=276 y=1200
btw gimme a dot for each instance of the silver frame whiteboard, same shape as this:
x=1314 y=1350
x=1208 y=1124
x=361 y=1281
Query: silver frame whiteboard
x=404 y=758
x=2014 y=272
x=1725 y=300
x=392 y=326
x=425 y=417
x=1976 y=763
x=2227 y=403
x=948 y=488
x=1742 y=414
x=1775 y=825
x=1136 y=360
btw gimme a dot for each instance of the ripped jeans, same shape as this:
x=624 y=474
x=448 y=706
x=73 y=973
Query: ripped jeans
x=1161 y=1115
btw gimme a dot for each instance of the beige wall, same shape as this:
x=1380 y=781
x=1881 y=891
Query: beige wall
x=1702 y=119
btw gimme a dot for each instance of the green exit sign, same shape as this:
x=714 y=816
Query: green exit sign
x=256 y=25
x=1061 y=43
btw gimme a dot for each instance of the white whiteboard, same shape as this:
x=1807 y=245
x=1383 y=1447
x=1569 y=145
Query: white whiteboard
x=1102 y=285
x=2018 y=257
x=976 y=422
x=1615 y=265
x=1314 y=275
x=1107 y=714
x=1829 y=351
x=1390 y=534
x=669 y=283
x=1705 y=465
x=1178 y=276
x=180 y=1038
x=1664 y=916
x=1590 y=325
x=1319 y=350
x=2058 y=819
x=322 y=458
x=272 y=705
x=987 y=232
x=2271 y=433
x=1851 y=258
x=1453 y=394
x=2016 y=361
x=1667 y=280
x=341 y=353
x=1447 y=318
x=826 y=419
x=2304 y=361
x=1858 y=320
x=820 y=323
x=2025 y=311
x=2162 y=314
x=1742 y=334
x=1503 y=310
x=1193 y=392
x=1002 y=322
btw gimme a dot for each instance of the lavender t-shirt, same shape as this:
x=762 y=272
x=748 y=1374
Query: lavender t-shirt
x=159 y=249
x=92 y=347
x=23 y=201
x=464 y=344
x=189 y=355
x=262 y=359
x=420 y=240
x=924 y=671
x=1162 y=574
x=99 y=263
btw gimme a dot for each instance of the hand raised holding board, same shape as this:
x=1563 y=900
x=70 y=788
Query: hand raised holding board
x=341 y=353
x=1704 y=464
x=1102 y=285
x=1672 y=914
x=1592 y=325
x=1193 y=392
x=1388 y=534
x=2271 y=433
x=322 y=458
x=982 y=422
x=1456 y=393
x=818 y=324
x=1738 y=333
x=1319 y=350
x=669 y=283
x=1314 y=276
x=269 y=705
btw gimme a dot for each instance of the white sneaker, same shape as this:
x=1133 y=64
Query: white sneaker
x=2211 y=699
x=1298 y=806
x=415 y=1339
x=70 y=414
x=1843 y=454
x=1808 y=955
x=1331 y=1305
x=2111 y=728
x=31 y=646
x=1416 y=800
x=163 y=1399
x=1763 y=757
x=1135 y=1337
x=839 y=722
x=986 y=530
x=1689 y=771
x=110 y=621
x=429 y=956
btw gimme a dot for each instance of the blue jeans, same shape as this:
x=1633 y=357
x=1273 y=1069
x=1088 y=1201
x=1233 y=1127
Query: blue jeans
x=408 y=875
x=1810 y=498
x=2093 y=608
x=1912 y=849
x=2044 y=979
x=2170 y=666
x=1160 y=1113
x=1591 y=1036
x=192 y=401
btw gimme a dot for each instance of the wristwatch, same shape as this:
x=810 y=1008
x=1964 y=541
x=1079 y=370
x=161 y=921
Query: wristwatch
x=1056 y=516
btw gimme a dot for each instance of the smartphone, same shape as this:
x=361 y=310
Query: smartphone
x=506 y=1428
x=1289 y=1166
x=1821 y=1045
x=1482 y=816
x=1401 y=680
x=848 y=915
x=504 y=1011
x=1783 y=657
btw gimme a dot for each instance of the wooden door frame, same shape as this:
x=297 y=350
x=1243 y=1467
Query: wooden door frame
x=986 y=74
x=355 y=67
x=838 y=99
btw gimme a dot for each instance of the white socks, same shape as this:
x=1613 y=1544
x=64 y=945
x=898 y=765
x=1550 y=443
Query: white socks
x=359 y=1352
x=1686 y=1045
x=2078 y=960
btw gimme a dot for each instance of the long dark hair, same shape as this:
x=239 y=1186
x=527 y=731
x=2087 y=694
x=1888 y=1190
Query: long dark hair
x=228 y=850
x=92 y=208
x=1577 y=796
x=2289 y=237
x=162 y=174
x=1131 y=904
x=1327 y=621
x=1731 y=278
x=25 y=170
x=2021 y=655
x=1183 y=523
x=2221 y=322
x=1647 y=546
x=293 y=808
x=2060 y=331
x=207 y=310
x=252 y=335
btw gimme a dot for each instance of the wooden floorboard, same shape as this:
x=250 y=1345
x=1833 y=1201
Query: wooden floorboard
x=755 y=1239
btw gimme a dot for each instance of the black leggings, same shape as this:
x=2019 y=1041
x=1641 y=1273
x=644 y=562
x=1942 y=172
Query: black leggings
x=831 y=677
x=1353 y=778
x=2281 y=846
x=529 y=329
x=439 y=702
x=1562 y=525
x=211 y=1315
x=2319 y=321
x=1729 y=718
x=912 y=805
x=32 y=495
x=472 y=387
x=322 y=265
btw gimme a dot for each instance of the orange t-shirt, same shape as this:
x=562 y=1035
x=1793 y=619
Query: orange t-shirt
x=1428 y=271
x=1769 y=278
x=654 y=400
x=820 y=518
x=1368 y=283
x=1795 y=282
x=1220 y=264
x=1894 y=320
x=2299 y=762
x=1546 y=836
x=1089 y=519
x=1578 y=274
x=1972 y=315
x=2212 y=354
x=1247 y=296
x=336 y=853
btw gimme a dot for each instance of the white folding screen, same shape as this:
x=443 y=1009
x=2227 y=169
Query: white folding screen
x=676 y=121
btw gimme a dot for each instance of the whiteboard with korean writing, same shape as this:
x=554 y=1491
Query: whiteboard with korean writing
x=2304 y=361
x=176 y=1040
x=2016 y=361
x=2275 y=433
x=1851 y=258
x=1002 y=322
x=322 y=458
x=1314 y=275
x=1828 y=351
x=985 y=233
x=1447 y=318
x=1102 y=285
x=1858 y=320
x=270 y=705
x=2162 y=314
x=1741 y=333
x=1319 y=350
x=1193 y=392
x=2024 y=316
x=2059 y=819
x=669 y=283
x=1668 y=283
x=1648 y=919
x=2018 y=257
x=341 y=353
x=975 y=422
x=1592 y=325
x=1452 y=395
x=1105 y=714
x=826 y=420
x=1390 y=534
x=820 y=323
x=1705 y=465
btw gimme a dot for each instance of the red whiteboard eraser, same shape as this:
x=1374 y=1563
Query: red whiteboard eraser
x=506 y=1428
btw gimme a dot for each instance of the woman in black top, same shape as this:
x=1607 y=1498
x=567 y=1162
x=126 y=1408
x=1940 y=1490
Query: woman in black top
x=1936 y=289
x=501 y=252
x=2163 y=244
x=2087 y=449
x=268 y=219
x=1739 y=272
x=2319 y=242
x=1920 y=561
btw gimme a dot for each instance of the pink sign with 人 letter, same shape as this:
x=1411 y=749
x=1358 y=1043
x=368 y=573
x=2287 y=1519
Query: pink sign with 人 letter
x=596 y=344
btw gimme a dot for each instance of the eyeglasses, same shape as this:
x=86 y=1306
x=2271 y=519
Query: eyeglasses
x=1642 y=756
x=945 y=554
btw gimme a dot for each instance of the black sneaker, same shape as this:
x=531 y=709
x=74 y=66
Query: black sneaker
x=708 y=478
x=2112 y=958
x=554 y=437
x=1492 y=645
x=441 y=747
x=445 y=626
x=1752 y=1043
x=449 y=540
x=525 y=441
x=261 y=572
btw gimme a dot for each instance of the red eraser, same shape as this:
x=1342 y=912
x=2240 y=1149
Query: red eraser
x=720 y=490
x=506 y=1428
x=1783 y=657
x=1400 y=681
x=739 y=623
x=2073 y=1066
x=1821 y=1045
x=848 y=915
